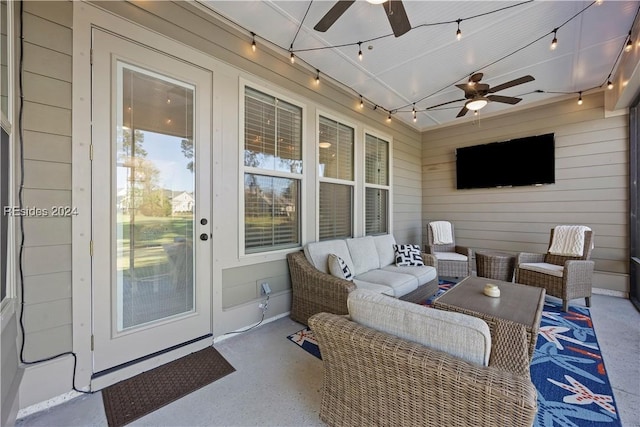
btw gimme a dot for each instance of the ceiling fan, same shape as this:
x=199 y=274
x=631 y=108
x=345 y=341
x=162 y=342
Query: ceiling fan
x=394 y=9
x=477 y=95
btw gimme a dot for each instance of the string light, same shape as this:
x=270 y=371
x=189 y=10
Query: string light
x=292 y=58
x=389 y=117
x=317 y=77
x=554 y=42
x=580 y=99
x=415 y=117
x=253 y=42
x=360 y=51
x=609 y=85
x=361 y=102
x=599 y=2
x=459 y=33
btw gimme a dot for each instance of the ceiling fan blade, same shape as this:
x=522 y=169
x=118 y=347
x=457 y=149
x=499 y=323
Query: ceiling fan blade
x=504 y=99
x=332 y=16
x=397 y=17
x=476 y=77
x=512 y=83
x=462 y=112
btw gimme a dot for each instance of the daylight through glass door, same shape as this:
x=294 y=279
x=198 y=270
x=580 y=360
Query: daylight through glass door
x=155 y=198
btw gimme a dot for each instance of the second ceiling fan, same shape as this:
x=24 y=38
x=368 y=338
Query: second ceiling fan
x=477 y=95
x=394 y=9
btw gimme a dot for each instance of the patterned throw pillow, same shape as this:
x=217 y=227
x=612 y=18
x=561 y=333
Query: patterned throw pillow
x=339 y=268
x=408 y=255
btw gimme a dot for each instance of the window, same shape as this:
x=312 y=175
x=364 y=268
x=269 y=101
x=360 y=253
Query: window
x=272 y=172
x=335 y=169
x=377 y=185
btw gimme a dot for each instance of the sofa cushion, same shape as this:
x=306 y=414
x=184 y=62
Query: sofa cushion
x=407 y=255
x=339 y=268
x=375 y=287
x=384 y=246
x=363 y=253
x=401 y=283
x=543 y=267
x=450 y=256
x=317 y=253
x=457 y=334
x=424 y=273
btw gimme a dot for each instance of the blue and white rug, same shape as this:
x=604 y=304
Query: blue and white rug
x=567 y=369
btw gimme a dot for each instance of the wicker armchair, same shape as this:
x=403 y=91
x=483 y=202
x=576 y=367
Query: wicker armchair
x=313 y=291
x=575 y=280
x=373 y=378
x=453 y=260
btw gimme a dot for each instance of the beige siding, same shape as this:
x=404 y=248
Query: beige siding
x=591 y=183
x=47 y=177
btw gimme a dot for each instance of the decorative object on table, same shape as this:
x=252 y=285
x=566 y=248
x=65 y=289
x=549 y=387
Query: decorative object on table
x=453 y=260
x=491 y=290
x=567 y=369
x=495 y=265
x=566 y=270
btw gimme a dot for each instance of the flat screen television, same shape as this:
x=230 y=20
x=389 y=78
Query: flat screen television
x=517 y=162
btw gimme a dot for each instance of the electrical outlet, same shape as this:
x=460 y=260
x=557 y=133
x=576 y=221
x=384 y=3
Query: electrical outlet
x=265 y=289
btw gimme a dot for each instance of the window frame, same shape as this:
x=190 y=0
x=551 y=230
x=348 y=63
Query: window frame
x=355 y=172
x=243 y=170
x=6 y=122
x=388 y=187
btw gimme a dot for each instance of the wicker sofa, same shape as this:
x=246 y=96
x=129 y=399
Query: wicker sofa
x=373 y=377
x=371 y=259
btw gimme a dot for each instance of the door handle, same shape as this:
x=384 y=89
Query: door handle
x=204 y=236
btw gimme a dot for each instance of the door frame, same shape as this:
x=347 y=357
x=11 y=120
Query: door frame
x=86 y=17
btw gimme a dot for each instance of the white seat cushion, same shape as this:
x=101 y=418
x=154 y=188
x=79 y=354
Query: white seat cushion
x=401 y=283
x=374 y=287
x=450 y=256
x=543 y=267
x=424 y=273
x=457 y=334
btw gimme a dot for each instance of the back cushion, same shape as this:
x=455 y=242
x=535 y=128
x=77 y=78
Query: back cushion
x=457 y=334
x=384 y=246
x=317 y=253
x=363 y=253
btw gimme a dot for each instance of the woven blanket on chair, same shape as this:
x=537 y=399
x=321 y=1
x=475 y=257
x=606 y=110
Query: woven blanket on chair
x=568 y=240
x=442 y=234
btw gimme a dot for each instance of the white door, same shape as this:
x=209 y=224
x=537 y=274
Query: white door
x=151 y=136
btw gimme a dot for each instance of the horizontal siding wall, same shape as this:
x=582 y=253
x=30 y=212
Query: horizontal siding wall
x=591 y=153
x=47 y=177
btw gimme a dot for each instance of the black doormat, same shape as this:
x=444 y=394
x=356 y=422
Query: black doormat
x=130 y=399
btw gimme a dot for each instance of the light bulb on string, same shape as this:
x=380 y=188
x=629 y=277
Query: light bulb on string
x=580 y=98
x=415 y=117
x=554 y=42
x=292 y=58
x=253 y=42
x=361 y=102
x=389 y=117
x=360 y=51
x=629 y=45
x=609 y=85
x=317 y=77
x=459 y=33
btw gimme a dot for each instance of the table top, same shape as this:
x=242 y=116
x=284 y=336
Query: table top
x=495 y=254
x=517 y=303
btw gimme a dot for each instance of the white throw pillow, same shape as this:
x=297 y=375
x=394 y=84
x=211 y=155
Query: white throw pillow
x=339 y=268
x=408 y=255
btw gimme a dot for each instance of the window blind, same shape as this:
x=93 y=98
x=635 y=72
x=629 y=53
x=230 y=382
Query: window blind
x=335 y=211
x=377 y=208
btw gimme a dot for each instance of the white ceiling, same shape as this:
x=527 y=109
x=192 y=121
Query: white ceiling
x=423 y=65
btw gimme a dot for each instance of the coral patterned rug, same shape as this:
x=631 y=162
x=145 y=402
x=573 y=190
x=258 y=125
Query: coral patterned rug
x=567 y=368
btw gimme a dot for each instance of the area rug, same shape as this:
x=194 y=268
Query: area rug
x=567 y=368
x=135 y=397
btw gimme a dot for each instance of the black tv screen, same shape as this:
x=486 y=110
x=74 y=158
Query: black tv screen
x=517 y=162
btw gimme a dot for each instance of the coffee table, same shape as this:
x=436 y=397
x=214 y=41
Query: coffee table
x=517 y=303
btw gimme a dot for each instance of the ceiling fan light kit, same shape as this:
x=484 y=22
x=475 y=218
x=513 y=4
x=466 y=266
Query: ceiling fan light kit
x=476 y=103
